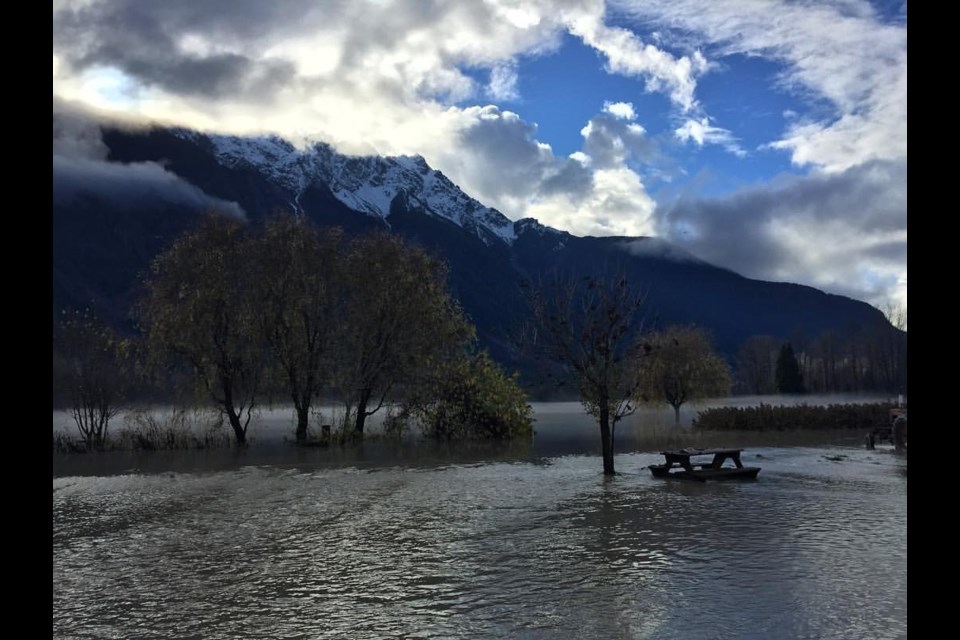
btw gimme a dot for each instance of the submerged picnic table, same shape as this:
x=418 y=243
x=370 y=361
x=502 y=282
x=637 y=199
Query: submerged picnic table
x=680 y=460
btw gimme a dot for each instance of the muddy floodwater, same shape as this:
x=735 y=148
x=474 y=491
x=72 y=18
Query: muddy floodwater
x=525 y=542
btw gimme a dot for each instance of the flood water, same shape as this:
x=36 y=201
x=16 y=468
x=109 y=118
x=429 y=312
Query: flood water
x=529 y=542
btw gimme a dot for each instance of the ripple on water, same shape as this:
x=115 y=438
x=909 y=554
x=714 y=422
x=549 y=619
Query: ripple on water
x=485 y=550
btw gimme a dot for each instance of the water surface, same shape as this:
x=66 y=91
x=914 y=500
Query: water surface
x=521 y=543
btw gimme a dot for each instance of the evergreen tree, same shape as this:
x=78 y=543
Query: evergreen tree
x=789 y=378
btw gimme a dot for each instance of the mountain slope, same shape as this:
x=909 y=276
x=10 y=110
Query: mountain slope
x=101 y=246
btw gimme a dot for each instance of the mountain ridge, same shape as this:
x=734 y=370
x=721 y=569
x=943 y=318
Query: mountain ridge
x=102 y=248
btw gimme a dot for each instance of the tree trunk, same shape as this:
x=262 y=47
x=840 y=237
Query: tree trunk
x=302 y=406
x=606 y=440
x=362 y=412
x=676 y=414
x=303 y=418
x=238 y=431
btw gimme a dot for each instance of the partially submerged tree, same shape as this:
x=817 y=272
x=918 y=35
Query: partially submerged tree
x=589 y=327
x=471 y=398
x=200 y=311
x=299 y=289
x=681 y=366
x=93 y=372
x=398 y=322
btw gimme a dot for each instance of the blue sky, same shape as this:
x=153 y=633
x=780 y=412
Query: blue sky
x=768 y=137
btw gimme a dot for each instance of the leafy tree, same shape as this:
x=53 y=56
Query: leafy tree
x=588 y=327
x=470 y=397
x=92 y=370
x=398 y=322
x=789 y=378
x=681 y=366
x=201 y=311
x=299 y=285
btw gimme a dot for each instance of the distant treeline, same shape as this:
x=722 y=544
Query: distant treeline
x=767 y=417
x=852 y=361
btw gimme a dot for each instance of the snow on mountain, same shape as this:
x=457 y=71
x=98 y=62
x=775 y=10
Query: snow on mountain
x=364 y=183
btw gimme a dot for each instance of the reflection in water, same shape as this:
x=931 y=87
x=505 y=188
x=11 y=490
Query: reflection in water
x=516 y=547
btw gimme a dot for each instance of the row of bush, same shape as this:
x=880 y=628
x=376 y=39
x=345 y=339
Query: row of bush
x=143 y=430
x=767 y=417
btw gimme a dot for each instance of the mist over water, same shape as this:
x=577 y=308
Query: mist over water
x=528 y=541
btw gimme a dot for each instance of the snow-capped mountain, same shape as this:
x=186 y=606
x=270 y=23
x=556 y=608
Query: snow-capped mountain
x=363 y=183
x=115 y=211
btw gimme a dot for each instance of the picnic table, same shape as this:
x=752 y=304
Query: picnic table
x=679 y=464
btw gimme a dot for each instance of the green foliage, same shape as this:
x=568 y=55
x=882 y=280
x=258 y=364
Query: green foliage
x=183 y=429
x=680 y=365
x=299 y=288
x=398 y=324
x=472 y=399
x=295 y=310
x=201 y=311
x=788 y=376
x=146 y=430
x=778 y=418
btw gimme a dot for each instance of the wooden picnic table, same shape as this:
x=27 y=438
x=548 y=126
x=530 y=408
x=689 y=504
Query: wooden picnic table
x=681 y=457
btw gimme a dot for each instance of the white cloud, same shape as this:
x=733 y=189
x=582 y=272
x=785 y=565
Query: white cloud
x=618 y=204
x=622 y=110
x=590 y=192
x=702 y=132
x=609 y=141
x=503 y=83
x=627 y=55
x=382 y=77
x=376 y=78
x=841 y=53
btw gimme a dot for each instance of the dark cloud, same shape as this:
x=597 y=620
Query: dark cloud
x=500 y=139
x=851 y=225
x=658 y=248
x=143 y=39
x=888 y=251
x=230 y=21
x=135 y=186
x=572 y=179
x=80 y=167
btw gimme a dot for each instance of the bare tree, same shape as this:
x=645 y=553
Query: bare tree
x=93 y=372
x=896 y=313
x=589 y=328
x=756 y=364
